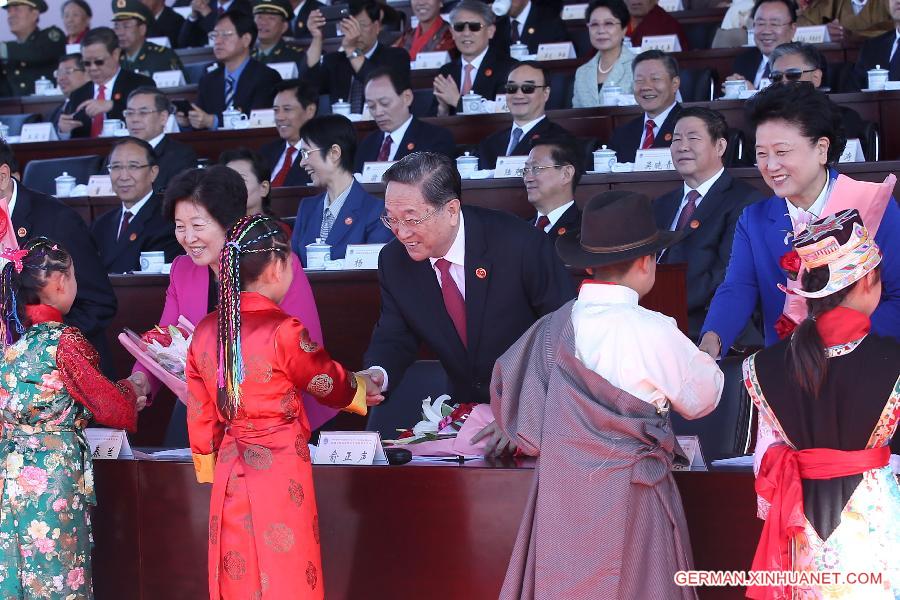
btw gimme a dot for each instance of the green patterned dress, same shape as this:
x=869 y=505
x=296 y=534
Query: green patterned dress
x=49 y=380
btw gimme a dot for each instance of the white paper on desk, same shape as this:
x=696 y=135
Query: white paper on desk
x=430 y=60
x=812 y=34
x=573 y=12
x=350 y=448
x=37 y=132
x=374 y=170
x=262 y=117
x=510 y=166
x=665 y=43
x=653 y=159
x=556 y=51
x=362 y=256
x=108 y=443
x=173 y=453
x=100 y=185
x=852 y=152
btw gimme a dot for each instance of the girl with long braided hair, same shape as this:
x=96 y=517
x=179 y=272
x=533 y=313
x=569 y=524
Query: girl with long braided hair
x=50 y=388
x=248 y=364
x=829 y=402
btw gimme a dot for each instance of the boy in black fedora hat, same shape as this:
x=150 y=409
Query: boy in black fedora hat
x=587 y=390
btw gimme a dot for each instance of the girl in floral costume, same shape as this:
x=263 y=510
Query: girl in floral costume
x=248 y=364
x=50 y=388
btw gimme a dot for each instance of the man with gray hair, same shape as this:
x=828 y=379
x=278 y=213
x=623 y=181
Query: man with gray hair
x=146 y=114
x=464 y=281
x=479 y=68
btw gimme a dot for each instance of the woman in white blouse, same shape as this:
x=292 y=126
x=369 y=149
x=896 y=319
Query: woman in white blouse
x=607 y=21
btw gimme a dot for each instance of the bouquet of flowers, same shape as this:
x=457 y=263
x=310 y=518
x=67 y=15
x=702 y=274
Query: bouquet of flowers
x=445 y=429
x=163 y=352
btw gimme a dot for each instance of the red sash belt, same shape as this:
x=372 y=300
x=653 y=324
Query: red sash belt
x=778 y=482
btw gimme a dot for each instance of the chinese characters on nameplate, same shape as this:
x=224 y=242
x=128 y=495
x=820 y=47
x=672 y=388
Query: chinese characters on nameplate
x=100 y=185
x=362 y=256
x=665 y=43
x=654 y=159
x=350 y=448
x=852 y=152
x=262 y=117
x=691 y=446
x=813 y=34
x=573 y=12
x=37 y=132
x=108 y=443
x=168 y=79
x=374 y=170
x=510 y=166
x=430 y=60
x=556 y=51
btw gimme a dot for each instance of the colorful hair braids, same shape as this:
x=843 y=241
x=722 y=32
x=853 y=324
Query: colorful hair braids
x=230 y=372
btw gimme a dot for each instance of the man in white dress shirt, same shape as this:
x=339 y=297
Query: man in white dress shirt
x=296 y=102
x=551 y=174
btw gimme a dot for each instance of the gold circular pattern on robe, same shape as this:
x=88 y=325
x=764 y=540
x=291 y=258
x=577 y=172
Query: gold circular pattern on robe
x=306 y=343
x=227 y=453
x=279 y=537
x=258 y=457
x=258 y=369
x=235 y=565
x=320 y=385
x=289 y=405
x=295 y=491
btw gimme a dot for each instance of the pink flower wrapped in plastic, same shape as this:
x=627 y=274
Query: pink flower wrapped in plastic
x=445 y=429
x=163 y=352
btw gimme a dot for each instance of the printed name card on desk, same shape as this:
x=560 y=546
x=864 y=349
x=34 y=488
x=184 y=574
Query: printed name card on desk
x=509 y=166
x=37 y=132
x=430 y=60
x=852 y=152
x=168 y=79
x=75 y=48
x=362 y=256
x=262 y=117
x=350 y=448
x=573 y=12
x=691 y=446
x=665 y=43
x=654 y=159
x=184 y=11
x=372 y=171
x=108 y=444
x=100 y=185
x=671 y=5
x=287 y=70
x=813 y=34
x=160 y=41
x=556 y=51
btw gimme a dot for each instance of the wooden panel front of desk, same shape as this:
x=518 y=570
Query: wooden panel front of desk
x=410 y=532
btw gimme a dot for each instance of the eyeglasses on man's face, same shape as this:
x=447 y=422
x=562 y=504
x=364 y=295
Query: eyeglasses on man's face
x=474 y=26
x=769 y=24
x=67 y=71
x=214 y=35
x=527 y=88
x=99 y=62
x=535 y=169
x=130 y=168
x=393 y=223
x=143 y=112
x=792 y=74
x=305 y=153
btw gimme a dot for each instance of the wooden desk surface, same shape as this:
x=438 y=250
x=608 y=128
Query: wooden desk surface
x=407 y=532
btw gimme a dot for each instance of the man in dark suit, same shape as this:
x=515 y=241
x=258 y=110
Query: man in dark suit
x=465 y=282
x=105 y=95
x=203 y=18
x=656 y=84
x=479 y=68
x=342 y=74
x=880 y=51
x=239 y=81
x=530 y=24
x=706 y=208
x=34 y=215
x=138 y=226
x=146 y=116
x=301 y=10
x=551 y=174
x=527 y=93
x=774 y=23
x=295 y=103
x=70 y=75
x=166 y=22
x=388 y=97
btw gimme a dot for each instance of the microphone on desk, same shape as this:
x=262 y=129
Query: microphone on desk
x=397 y=456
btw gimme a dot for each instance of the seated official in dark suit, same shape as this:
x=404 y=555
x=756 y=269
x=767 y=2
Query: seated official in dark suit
x=648 y=18
x=879 y=51
x=530 y=24
x=774 y=23
x=342 y=74
x=70 y=75
x=295 y=103
x=138 y=226
x=656 y=83
x=527 y=93
x=203 y=18
x=389 y=97
x=301 y=10
x=273 y=20
x=796 y=61
x=706 y=208
x=239 y=81
x=479 y=68
x=105 y=96
x=166 y=22
x=146 y=116
x=345 y=213
x=465 y=282
x=34 y=215
x=551 y=174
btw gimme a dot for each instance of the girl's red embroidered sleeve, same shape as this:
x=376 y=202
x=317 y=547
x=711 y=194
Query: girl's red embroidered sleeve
x=113 y=404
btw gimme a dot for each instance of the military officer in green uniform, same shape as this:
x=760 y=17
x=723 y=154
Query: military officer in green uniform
x=34 y=53
x=130 y=19
x=273 y=20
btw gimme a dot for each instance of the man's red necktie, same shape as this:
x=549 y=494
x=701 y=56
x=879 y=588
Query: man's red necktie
x=97 y=121
x=385 y=151
x=453 y=300
x=285 y=167
x=648 y=135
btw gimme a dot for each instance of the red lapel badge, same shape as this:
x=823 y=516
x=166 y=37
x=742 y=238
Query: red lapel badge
x=132 y=237
x=561 y=231
x=410 y=146
x=531 y=31
x=348 y=221
x=22 y=232
x=480 y=273
x=488 y=72
x=117 y=96
x=695 y=224
x=668 y=137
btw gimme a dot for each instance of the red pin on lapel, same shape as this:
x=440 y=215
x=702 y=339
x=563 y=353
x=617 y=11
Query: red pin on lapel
x=668 y=137
x=132 y=237
x=480 y=273
x=695 y=224
x=348 y=221
x=561 y=231
x=488 y=72
x=410 y=146
x=22 y=232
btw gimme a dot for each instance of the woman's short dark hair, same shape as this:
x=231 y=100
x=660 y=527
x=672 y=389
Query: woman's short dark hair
x=80 y=4
x=804 y=106
x=219 y=190
x=617 y=7
x=434 y=174
x=716 y=125
x=328 y=130
x=258 y=165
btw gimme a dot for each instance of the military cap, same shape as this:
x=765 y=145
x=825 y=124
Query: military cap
x=282 y=8
x=40 y=5
x=131 y=9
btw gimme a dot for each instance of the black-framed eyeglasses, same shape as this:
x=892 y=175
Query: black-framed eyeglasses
x=534 y=170
x=792 y=74
x=474 y=26
x=130 y=168
x=527 y=88
x=94 y=63
x=393 y=223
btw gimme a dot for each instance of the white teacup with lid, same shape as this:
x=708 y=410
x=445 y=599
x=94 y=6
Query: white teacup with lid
x=340 y=107
x=604 y=159
x=466 y=165
x=877 y=78
x=518 y=51
x=43 y=86
x=473 y=103
x=64 y=185
x=317 y=254
x=609 y=95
